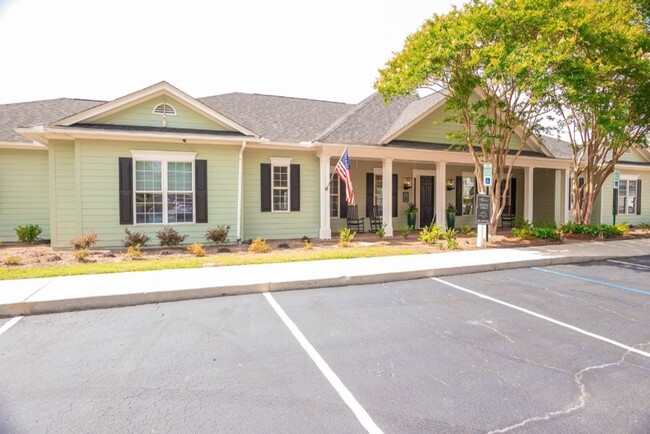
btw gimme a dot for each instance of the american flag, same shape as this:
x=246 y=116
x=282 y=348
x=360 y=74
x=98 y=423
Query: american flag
x=343 y=169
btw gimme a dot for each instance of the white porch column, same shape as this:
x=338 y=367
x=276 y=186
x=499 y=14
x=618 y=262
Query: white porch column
x=387 y=196
x=562 y=199
x=441 y=194
x=528 y=193
x=567 y=195
x=325 y=232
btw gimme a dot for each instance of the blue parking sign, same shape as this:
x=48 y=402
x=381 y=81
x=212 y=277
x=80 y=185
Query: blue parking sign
x=488 y=181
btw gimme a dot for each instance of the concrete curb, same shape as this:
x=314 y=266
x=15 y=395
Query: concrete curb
x=29 y=306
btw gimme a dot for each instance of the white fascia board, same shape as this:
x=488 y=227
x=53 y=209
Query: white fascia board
x=34 y=146
x=67 y=133
x=158 y=89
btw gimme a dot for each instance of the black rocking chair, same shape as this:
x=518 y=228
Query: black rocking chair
x=375 y=219
x=355 y=223
x=507 y=216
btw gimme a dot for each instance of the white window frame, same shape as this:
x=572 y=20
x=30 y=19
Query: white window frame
x=336 y=180
x=471 y=176
x=281 y=162
x=627 y=179
x=164 y=113
x=164 y=158
x=378 y=173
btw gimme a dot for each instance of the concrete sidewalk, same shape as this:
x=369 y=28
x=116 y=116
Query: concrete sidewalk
x=68 y=293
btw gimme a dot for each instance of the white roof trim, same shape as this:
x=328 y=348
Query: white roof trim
x=34 y=146
x=162 y=88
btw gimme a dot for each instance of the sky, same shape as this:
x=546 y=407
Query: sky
x=327 y=50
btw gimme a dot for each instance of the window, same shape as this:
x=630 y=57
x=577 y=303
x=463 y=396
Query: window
x=280 y=184
x=378 y=191
x=627 y=194
x=164 y=187
x=468 y=194
x=164 y=109
x=334 y=195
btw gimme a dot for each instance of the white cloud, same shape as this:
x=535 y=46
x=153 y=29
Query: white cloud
x=103 y=50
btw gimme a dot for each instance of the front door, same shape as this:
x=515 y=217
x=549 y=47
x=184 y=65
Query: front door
x=426 y=200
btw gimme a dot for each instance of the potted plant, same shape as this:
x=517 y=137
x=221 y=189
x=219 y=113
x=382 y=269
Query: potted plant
x=411 y=213
x=451 y=216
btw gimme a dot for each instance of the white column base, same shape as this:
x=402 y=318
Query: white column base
x=325 y=234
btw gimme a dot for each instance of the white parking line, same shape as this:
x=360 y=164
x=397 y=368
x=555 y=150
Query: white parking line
x=9 y=324
x=344 y=393
x=628 y=263
x=546 y=318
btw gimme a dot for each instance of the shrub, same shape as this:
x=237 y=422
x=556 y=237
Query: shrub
x=467 y=231
x=346 y=236
x=196 y=249
x=545 y=233
x=308 y=244
x=624 y=227
x=81 y=254
x=405 y=230
x=525 y=233
x=430 y=234
x=601 y=231
x=450 y=236
x=133 y=239
x=259 y=246
x=1 y=241
x=218 y=235
x=28 y=233
x=168 y=236
x=12 y=260
x=645 y=227
x=85 y=241
x=381 y=232
x=133 y=253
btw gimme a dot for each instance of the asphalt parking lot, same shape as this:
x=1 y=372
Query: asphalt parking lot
x=555 y=349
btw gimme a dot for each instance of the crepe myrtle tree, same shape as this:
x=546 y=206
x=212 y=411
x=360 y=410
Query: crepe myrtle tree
x=491 y=60
x=601 y=91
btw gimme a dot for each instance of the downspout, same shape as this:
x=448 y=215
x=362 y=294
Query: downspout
x=240 y=191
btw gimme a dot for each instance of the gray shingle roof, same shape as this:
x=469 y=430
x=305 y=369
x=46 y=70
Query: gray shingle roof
x=276 y=117
x=557 y=147
x=368 y=122
x=33 y=113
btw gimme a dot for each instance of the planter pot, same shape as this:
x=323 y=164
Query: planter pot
x=451 y=220
x=410 y=219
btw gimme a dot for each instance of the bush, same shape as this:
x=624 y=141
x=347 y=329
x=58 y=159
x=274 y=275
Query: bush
x=133 y=253
x=450 y=236
x=545 y=233
x=308 y=244
x=346 y=236
x=85 y=241
x=381 y=232
x=218 y=235
x=133 y=239
x=525 y=233
x=467 y=231
x=196 y=249
x=81 y=254
x=624 y=227
x=405 y=230
x=645 y=227
x=28 y=233
x=1 y=241
x=430 y=234
x=12 y=260
x=593 y=231
x=168 y=236
x=259 y=246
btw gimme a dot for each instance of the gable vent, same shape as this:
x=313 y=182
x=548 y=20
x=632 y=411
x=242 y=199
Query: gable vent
x=164 y=109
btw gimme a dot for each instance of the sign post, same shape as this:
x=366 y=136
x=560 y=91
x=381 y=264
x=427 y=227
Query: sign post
x=487 y=181
x=617 y=182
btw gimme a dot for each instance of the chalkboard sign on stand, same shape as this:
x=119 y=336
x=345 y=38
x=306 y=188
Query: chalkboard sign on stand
x=483 y=209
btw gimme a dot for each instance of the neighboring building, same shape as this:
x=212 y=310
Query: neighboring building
x=260 y=164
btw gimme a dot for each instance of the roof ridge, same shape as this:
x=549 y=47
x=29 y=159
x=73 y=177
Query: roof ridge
x=276 y=96
x=51 y=99
x=339 y=122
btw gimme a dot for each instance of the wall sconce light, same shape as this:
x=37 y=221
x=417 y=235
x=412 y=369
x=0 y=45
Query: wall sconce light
x=450 y=184
x=407 y=183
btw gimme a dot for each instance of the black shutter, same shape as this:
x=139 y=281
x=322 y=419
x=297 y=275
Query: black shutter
x=459 y=195
x=295 y=187
x=513 y=196
x=395 y=196
x=126 y=190
x=265 y=183
x=638 y=197
x=370 y=187
x=343 y=194
x=201 y=184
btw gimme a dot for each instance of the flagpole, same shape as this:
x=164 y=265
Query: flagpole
x=337 y=163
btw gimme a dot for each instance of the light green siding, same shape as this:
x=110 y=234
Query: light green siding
x=63 y=193
x=607 y=194
x=544 y=196
x=24 y=196
x=434 y=129
x=142 y=115
x=279 y=225
x=94 y=204
x=633 y=157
